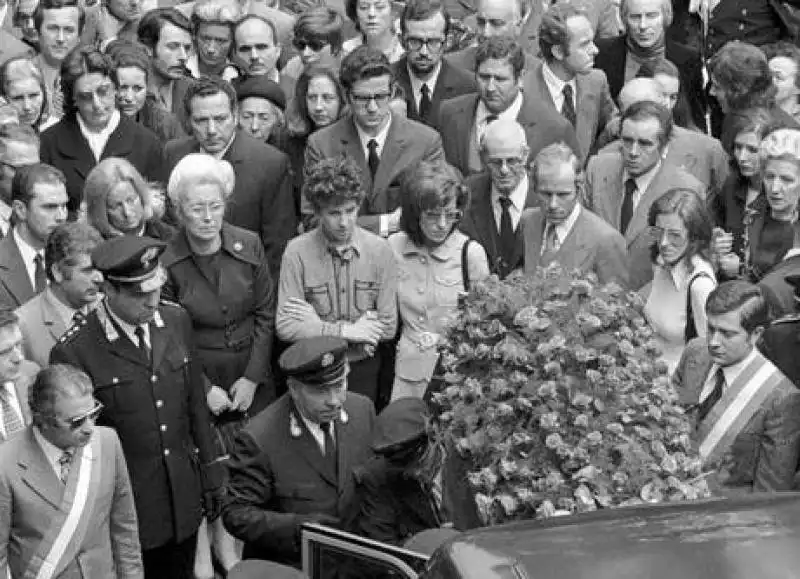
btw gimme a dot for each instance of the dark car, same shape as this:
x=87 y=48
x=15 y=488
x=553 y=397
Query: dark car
x=757 y=537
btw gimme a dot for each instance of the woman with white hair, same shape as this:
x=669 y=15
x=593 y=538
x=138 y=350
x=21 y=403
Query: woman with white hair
x=212 y=30
x=120 y=202
x=219 y=274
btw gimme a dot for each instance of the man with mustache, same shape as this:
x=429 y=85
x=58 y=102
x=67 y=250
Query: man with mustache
x=72 y=292
x=255 y=43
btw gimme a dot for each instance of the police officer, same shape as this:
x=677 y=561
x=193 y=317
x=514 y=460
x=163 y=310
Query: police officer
x=781 y=341
x=138 y=352
x=293 y=463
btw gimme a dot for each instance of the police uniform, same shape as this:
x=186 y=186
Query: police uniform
x=780 y=343
x=280 y=475
x=753 y=21
x=154 y=398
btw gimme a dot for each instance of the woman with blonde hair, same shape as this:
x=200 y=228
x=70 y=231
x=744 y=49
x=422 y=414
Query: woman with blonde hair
x=120 y=202
x=22 y=84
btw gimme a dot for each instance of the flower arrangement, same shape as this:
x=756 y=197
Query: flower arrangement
x=553 y=394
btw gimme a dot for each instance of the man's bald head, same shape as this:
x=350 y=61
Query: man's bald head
x=504 y=152
x=503 y=133
x=637 y=90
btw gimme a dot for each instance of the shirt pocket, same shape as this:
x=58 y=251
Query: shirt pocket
x=366 y=295
x=447 y=288
x=319 y=296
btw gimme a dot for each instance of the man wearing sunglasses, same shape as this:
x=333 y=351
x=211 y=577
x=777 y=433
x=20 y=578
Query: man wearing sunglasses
x=65 y=497
x=138 y=352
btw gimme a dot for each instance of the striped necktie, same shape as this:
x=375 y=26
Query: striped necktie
x=12 y=421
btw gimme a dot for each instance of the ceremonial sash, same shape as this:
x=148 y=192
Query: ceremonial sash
x=70 y=524
x=740 y=401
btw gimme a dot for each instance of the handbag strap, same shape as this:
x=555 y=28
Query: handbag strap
x=691 y=330
x=465 y=264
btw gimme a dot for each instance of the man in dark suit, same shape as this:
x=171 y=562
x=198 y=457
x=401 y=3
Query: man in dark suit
x=779 y=290
x=262 y=199
x=66 y=502
x=747 y=411
x=39 y=201
x=294 y=462
x=499 y=197
x=781 y=339
x=566 y=80
x=463 y=120
x=645 y=41
x=383 y=144
x=621 y=186
x=140 y=356
x=19 y=147
x=426 y=78
x=16 y=376
x=563 y=231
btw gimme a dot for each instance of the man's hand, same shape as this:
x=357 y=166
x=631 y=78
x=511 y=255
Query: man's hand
x=217 y=400
x=721 y=242
x=729 y=264
x=242 y=393
x=368 y=329
x=299 y=310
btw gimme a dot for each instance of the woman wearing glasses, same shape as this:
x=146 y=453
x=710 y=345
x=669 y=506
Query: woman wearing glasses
x=92 y=128
x=435 y=264
x=318 y=40
x=219 y=274
x=683 y=276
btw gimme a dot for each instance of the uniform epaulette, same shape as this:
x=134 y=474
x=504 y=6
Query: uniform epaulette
x=72 y=331
x=789 y=318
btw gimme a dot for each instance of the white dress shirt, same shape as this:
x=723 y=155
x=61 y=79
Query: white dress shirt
x=416 y=84
x=556 y=87
x=482 y=113
x=642 y=183
x=564 y=228
x=731 y=373
x=28 y=254
x=518 y=197
x=51 y=452
x=380 y=138
x=5 y=218
x=316 y=431
x=13 y=400
x=99 y=139
x=130 y=329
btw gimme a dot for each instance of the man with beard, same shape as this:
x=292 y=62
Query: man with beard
x=167 y=35
x=59 y=24
x=567 y=80
x=73 y=290
x=255 y=43
x=19 y=147
x=621 y=185
x=426 y=78
x=39 y=202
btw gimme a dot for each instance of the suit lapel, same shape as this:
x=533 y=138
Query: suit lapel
x=639 y=220
x=344 y=443
x=404 y=81
x=116 y=341
x=37 y=473
x=50 y=316
x=483 y=220
x=535 y=235
x=120 y=142
x=15 y=278
x=467 y=116
x=160 y=338
x=393 y=148
x=73 y=145
x=585 y=108
x=353 y=149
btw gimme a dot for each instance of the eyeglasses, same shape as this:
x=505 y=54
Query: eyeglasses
x=102 y=92
x=364 y=99
x=315 y=45
x=449 y=216
x=200 y=209
x=510 y=162
x=433 y=44
x=77 y=421
x=673 y=237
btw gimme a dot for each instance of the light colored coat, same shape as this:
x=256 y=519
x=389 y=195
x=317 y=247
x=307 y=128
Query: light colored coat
x=28 y=373
x=42 y=325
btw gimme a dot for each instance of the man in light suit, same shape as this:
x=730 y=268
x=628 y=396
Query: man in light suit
x=463 y=120
x=383 y=144
x=73 y=290
x=64 y=475
x=11 y=47
x=500 y=195
x=566 y=81
x=262 y=199
x=561 y=230
x=621 y=186
x=294 y=462
x=16 y=375
x=747 y=411
x=426 y=78
x=39 y=201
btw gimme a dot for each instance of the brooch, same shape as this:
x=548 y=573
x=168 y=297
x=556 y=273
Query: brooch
x=294 y=427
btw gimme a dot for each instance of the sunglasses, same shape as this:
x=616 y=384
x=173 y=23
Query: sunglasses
x=315 y=45
x=77 y=421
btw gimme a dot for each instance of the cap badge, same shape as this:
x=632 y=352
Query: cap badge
x=149 y=255
x=327 y=360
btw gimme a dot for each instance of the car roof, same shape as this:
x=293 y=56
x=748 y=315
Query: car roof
x=753 y=538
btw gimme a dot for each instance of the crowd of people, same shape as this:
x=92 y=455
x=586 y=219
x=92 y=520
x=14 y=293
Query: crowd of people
x=233 y=235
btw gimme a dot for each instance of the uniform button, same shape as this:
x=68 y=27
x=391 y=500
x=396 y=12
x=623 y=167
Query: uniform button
x=159 y=403
x=115 y=380
x=153 y=378
x=420 y=290
x=166 y=452
x=744 y=11
x=741 y=26
x=163 y=428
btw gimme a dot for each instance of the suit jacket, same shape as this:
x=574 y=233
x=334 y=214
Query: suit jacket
x=591 y=246
x=604 y=195
x=778 y=293
x=594 y=106
x=15 y=284
x=11 y=46
x=278 y=475
x=407 y=143
x=451 y=82
x=64 y=146
x=262 y=198
x=464 y=59
x=28 y=373
x=158 y=408
x=780 y=343
x=542 y=127
x=613 y=54
x=42 y=325
x=31 y=493
x=479 y=224
x=765 y=453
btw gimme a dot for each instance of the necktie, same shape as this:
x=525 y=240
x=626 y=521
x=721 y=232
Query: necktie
x=568 y=108
x=507 y=238
x=424 y=102
x=64 y=462
x=330 y=446
x=706 y=405
x=139 y=331
x=38 y=273
x=550 y=239
x=627 y=205
x=373 y=159
x=12 y=421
